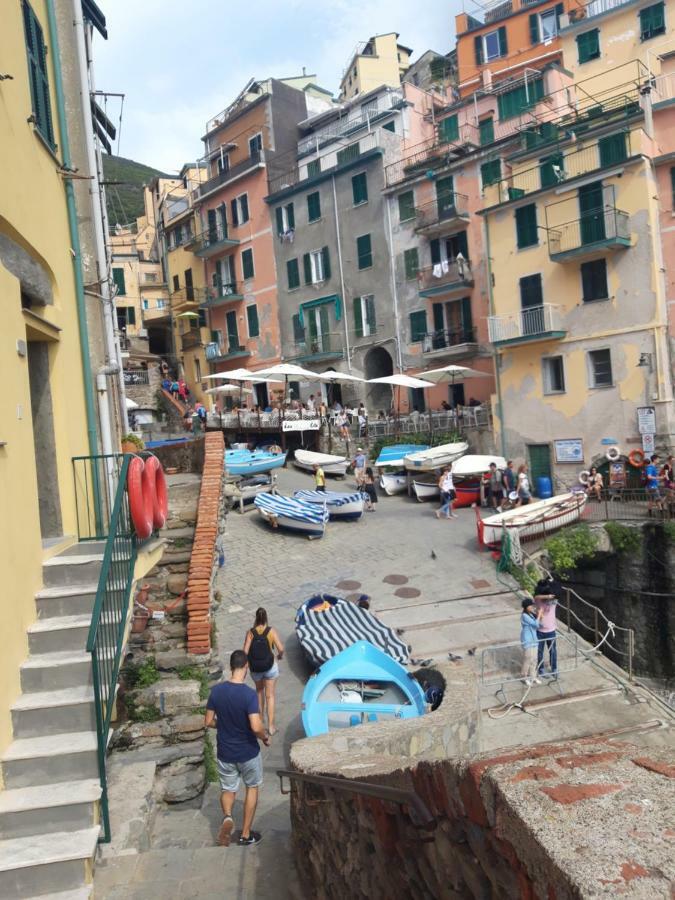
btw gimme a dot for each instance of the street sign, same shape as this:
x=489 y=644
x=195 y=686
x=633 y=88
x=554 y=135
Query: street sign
x=648 y=444
x=646 y=419
x=570 y=450
x=301 y=425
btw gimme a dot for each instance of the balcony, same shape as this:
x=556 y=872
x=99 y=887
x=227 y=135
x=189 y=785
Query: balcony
x=445 y=277
x=442 y=216
x=319 y=348
x=450 y=344
x=538 y=323
x=191 y=340
x=597 y=230
x=357 y=118
x=156 y=315
x=221 y=352
x=213 y=241
x=223 y=295
x=589 y=11
x=432 y=154
x=254 y=161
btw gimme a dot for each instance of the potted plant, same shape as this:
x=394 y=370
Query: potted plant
x=131 y=443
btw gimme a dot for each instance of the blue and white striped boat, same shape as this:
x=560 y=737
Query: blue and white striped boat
x=287 y=512
x=339 y=505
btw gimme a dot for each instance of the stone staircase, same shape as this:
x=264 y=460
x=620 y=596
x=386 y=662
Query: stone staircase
x=49 y=806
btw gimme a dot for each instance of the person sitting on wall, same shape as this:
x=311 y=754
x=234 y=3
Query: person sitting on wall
x=595 y=484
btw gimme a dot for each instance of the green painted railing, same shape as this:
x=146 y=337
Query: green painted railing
x=95 y=479
x=109 y=620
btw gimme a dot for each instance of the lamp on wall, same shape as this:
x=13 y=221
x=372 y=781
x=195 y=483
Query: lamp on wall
x=645 y=362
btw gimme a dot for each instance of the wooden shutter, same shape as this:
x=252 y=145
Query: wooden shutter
x=253 y=324
x=503 y=45
x=358 y=317
x=411 y=263
x=467 y=318
x=531 y=293
x=323 y=319
x=243 y=203
x=364 y=251
x=38 y=74
x=612 y=148
x=280 y=220
x=460 y=244
x=235 y=214
x=478 y=50
x=325 y=254
x=406 y=206
x=307 y=265
x=418 y=325
x=313 y=206
x=118 y=278
x=293 y=273
x=534 y=28
x=370 y=313
x=290 y=213
x=448 y=129
x=131 y=315
x=298 y=330
x=526 y=225
x=559 y=11
x=247 y=264
x=438 y=312
x=435 y=247
x=487 y=131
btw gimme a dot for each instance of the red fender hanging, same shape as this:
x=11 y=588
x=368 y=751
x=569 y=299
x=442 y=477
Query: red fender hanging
x=160 y=506
x=141 y=498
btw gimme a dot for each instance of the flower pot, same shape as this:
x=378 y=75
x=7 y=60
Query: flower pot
x=128 y=447
x=139 y=619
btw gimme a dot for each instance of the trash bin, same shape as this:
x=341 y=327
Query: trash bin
x=544 y=487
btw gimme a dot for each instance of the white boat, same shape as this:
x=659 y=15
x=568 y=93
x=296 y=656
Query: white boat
x=533 y=520
x=471 y=464
x=392 y=456
x=426 y=490
x=339 y=505
x=393 y=482
x=435 y=457
x=331 y=465
x=287 y=512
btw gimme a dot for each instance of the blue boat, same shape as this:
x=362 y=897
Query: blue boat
x=287 y=512
x=394 y=454
x=339 y=505
x=252 y=462
x=360 y=685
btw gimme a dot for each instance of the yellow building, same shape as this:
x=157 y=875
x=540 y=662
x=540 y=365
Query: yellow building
x=380 y=60
x=578 y=314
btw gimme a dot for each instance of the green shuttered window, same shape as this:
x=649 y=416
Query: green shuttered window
x=247 y=264
x=120 y=284
x=512 y=103
x=411 y=263
x=588 y=45
x=38 y=74
x=612 y=148
x=406 y=206
x=448 y=130
x=652 y=21
x=252 y=318
x=418 y=325
x=360 y=188
x=314 y=206
x=364 y=251
x=490 y=172
x=348 y=154
x=551 y=170
x=364 y=315
x=293 y=273
x=526 y=225
x=594 y=280
x=313 y=168
x=486 y=129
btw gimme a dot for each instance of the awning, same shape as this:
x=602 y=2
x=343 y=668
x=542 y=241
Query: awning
x=321 y=301
x=94 y=15
x=103 y=127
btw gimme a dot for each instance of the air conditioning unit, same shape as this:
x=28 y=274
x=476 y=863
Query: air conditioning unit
x=142 y=333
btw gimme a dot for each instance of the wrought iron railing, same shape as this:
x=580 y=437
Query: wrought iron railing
x=526 y=323
x=597 y=226
x=446 y=209
x=136 y=376
x=190 y=340
x=445 y=339
x=445 y=274
x=95 y=479
x=329 y=343
x=108 y=623
x=256 y=159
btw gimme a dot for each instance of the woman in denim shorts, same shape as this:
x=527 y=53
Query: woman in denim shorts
x=265 y=681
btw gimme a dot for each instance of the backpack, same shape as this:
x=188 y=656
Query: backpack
x=260 y=656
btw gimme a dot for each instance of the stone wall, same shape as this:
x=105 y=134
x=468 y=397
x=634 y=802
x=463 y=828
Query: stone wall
x=187 y=456
x=558 y=821
x=145 y=394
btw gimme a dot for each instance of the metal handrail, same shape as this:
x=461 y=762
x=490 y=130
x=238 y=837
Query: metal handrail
x=420 y=816
x=95 y=480
x=108 y=624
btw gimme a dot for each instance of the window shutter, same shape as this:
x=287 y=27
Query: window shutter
x=118 y=278
x=235 y=214
x=201 y=321
x=313 y=168
x=298 y=330
x=364 y=251
x=418 y=325
x=243 y=200
x=547 y=173
x=359 y=188
x=290 y=211
x=323 y=319
x=406 y=206
x=253 y=324
x=280 y=220
x=467 y=317
x=559 y=10
x=314 y=206
x=370 y=312
x=612 y=148
x=534 y=28
x=435 y=247
x=247 y=264
x=448 y=129
x=461 y=245
x=307 y=265
x=439 y=320
x=293 y=273
x=325 y=254
x=478 y=50
x=358 y=317
x=503 y=45
x=531 y=293
x=487 y=131
x=131 y=315
x=38 y=74
x=526 y=225
x=490 y=172
x=411 y=263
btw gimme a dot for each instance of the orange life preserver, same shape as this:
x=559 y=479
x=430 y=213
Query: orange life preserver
x=160 y=500
x=141 y=498
x=636 y=458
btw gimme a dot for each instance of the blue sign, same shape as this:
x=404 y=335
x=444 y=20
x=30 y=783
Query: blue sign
x=609 y=441
x=569 y=451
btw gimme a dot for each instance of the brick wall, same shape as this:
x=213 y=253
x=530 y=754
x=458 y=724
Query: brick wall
x=203 y=559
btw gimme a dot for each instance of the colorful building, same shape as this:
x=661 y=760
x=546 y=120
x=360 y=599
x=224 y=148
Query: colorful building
x=379 y=61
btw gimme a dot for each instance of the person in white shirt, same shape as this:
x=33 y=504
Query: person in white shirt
x=447 y=488
x=311 y=405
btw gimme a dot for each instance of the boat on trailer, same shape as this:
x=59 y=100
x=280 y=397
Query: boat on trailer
x=361 y=684
x=435 y=457
x=292 y=514
x=533 y=520
x=252 y=462
x=339 y=505
x=331 y=465
x=393 y=482
x=426 y=490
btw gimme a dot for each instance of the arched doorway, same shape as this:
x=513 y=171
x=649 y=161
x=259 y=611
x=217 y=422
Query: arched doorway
x=378 y=364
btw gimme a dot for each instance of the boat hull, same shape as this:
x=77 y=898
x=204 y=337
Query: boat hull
x=331 y=465
x=241 y=462
x=473 y=466
x=466 y=495
x=434 y=458
x=426 y=490
x=394 y=454
x=339 y=506
x=290 y=524
x=291 y=514
x=393 y=482
x=535 y=519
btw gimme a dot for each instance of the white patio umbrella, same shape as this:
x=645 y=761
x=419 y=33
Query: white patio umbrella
x=234 y=375
x=337 y=377
x=400 y=380
x=131 y=404
x=229 y=389
x=453 y=374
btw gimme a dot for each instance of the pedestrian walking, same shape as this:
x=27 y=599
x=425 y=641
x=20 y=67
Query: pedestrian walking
x=174 y=389
x=260 y=645
x=359 y=463
x=369 y=489
x=447 y=489
x=546 y=601
x=319 y=479
x=232 y=709
x=529 y=623
x=182 y=390
x=496 y=487
x=524 y=493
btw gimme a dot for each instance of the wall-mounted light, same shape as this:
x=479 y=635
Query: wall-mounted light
x=645 y=362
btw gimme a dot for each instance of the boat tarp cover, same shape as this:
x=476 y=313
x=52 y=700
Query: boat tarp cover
x=276 y=505
x=326 y=633
x=330 y=498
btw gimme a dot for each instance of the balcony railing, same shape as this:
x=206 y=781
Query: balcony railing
x=535 y=323
x=322 y=346
x=326 y=163
x=437 y=342
x=224 y=293
x=589 y=11
x=190 y=340
x=606 y=227
x=189 y=295
x=215 y=351
x=209 y=242
x=445 y=276
x=354 y=121
x=254 y=161
x=443 y=214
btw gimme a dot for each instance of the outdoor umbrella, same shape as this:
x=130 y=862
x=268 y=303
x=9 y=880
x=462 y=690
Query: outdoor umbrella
x=234 y=375
x=131 y=404
x=188 y=315
x=229 y=389
x=288 y=372
x=400 y=381
x=333 y=377
x=453 y=374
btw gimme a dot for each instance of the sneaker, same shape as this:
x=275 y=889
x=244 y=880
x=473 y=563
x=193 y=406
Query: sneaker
x=499 y=509
x=225 y=832
x=527 y=682
x=254 y=838
x=537 y=681
x=454 y=516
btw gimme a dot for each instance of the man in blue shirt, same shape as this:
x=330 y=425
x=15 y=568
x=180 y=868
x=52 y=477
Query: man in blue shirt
x=652 y=475
x=232 y=708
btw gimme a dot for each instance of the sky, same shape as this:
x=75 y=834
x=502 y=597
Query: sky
x=178 y=64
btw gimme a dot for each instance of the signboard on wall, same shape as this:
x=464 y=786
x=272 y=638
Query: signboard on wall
x=569 y=450
x=646 y=419
x=301 y=425
x=617 y=473
x=648 y=444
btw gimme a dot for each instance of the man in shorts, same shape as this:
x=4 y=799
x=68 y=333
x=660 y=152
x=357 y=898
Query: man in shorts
x=496 y=486
x=654 y=497
x=232 y=708
x=359 y=463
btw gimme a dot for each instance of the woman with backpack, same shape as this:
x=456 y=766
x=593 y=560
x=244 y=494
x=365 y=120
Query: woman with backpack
x=260 y=644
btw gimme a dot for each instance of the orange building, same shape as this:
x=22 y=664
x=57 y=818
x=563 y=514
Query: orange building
x=510 y=37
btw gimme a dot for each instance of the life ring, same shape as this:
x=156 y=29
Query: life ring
x=160 y=499
x=613 y=453
x=141 y=498
x=584 y=475
x=636 y=458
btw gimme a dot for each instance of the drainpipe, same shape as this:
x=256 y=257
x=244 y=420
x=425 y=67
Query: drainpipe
x=74 y=241
x=498 y=383
x=394 y=292
x=342 y=274
x=100 y=217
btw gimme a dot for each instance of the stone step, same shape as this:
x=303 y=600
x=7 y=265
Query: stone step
x=54 y=712
x=58 y=633
x=54 y=807
x=63 y=669
x=76 y=569
x=29 y=762
x=57 y=861
x=66 y=600
x=86 y=548
x=83 y=893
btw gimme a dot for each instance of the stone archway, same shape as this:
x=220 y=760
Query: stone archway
x=378 y=364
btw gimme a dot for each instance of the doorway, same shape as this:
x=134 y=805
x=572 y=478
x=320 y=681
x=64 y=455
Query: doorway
x=42 y=414
x=232 y=332
x=539 y=456
x=591 y=213
x=378 y=364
